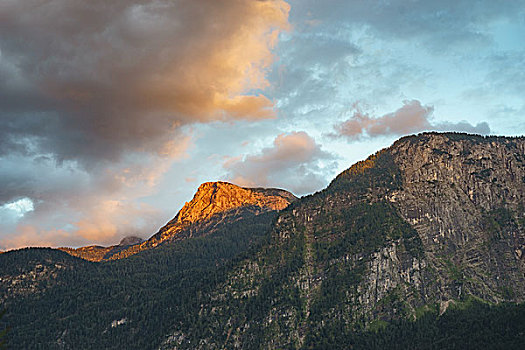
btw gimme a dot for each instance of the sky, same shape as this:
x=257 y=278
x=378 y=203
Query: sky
x=113 y=112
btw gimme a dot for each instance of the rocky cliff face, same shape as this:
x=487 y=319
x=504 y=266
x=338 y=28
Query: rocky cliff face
x=214 y=203
x=465 y=196
x=431 y=220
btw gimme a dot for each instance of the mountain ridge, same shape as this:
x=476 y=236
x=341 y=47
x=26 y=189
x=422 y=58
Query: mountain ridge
x=211 y=203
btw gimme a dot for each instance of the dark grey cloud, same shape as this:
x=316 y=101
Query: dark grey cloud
x=412 y=117
x=294 y=162
x=87 y=81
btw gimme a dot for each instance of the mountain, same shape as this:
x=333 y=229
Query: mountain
x=213 y=204
x=419 y=246
x=433 y=219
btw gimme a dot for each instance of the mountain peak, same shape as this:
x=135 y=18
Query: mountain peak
x=213 y=203
x=218 y=197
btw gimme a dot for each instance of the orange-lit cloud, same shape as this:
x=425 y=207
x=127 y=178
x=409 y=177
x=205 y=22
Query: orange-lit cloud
x=292 y=162
x=232 y=56
x=105 y=80
x=100 y=209
x=105 y=222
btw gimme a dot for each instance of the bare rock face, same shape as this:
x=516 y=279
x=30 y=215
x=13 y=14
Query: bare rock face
x=213 y=204
x=219 y=197
x=465 y=196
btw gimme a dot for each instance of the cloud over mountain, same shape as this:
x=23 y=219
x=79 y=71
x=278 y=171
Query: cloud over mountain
x=109 y=107
x=412 y=117
x=294 y=161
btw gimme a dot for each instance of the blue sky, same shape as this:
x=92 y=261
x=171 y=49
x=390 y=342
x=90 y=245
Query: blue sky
x=113 y=114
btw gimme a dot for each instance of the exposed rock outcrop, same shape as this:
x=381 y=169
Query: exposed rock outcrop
x=219 y=197
x=216 y=200
x=465 y=196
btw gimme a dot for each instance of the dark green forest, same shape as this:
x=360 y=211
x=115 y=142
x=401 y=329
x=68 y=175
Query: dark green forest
x=3 y=332
x=153 y=290
x=157 y=289
x=470 y=324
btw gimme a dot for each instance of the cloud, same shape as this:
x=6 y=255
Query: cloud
x=294 y=162
x=106 y=222
x=30 y=236
x=96 y=100
x=73 y=206
x=412 y=117
x=383 y=52
x=90 y=81
x=445 y=23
